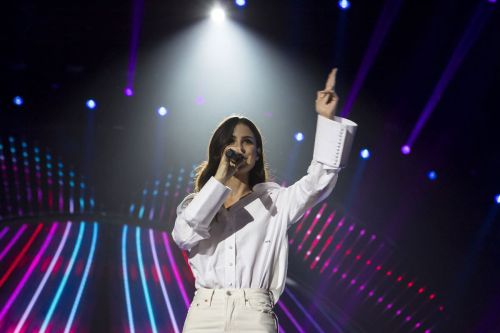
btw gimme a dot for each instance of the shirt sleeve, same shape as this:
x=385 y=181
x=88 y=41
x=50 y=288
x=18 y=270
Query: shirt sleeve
x=196 y=212
x=331 y=149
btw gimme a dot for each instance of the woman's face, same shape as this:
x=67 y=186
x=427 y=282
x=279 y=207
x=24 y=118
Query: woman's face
x=244 y=142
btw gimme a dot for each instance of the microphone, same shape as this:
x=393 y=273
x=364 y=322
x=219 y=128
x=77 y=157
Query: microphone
x=234 y=156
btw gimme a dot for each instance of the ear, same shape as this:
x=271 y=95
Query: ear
x=259 y=151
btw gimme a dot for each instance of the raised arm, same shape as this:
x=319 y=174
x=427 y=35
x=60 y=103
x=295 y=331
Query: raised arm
x=196 y=212
x=332 y=144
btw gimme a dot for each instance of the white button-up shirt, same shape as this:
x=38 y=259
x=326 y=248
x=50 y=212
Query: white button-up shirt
x=246 y=245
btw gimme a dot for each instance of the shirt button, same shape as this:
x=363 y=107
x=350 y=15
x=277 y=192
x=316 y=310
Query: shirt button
x=228 y=292
x=230 y=247
x=230 y=264
x=231 y=284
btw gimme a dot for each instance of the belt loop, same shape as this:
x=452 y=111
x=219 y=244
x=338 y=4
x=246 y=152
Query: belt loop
x=245 y=295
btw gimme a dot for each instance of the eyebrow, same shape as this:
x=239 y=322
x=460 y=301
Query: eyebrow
x=246 y=137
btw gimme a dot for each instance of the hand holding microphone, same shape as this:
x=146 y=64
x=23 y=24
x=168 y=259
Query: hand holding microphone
x=234 y=156
x=229 y=163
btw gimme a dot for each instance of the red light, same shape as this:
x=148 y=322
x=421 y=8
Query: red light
x=410 y=284
x=348 y=252
x=368 y=262
x=154 y=273
x=389 y=273
x=421 y=290
x=379 y=268
x=432 y=296
x=400 y=278
x=358 y=257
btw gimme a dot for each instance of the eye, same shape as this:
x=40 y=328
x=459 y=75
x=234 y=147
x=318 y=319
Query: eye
x=249 y=141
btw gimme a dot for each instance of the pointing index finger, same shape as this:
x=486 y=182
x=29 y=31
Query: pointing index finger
x=330 y=82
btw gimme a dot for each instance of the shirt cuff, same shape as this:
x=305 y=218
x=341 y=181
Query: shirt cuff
x=333 y=141
x=207 y=202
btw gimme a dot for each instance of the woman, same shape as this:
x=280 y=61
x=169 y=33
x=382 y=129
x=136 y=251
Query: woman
x=235 y=224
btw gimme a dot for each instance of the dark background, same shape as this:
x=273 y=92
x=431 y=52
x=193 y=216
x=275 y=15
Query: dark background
x=57 y=54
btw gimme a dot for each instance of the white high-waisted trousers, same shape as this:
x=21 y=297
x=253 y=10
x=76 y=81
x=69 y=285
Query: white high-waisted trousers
x=231 y=310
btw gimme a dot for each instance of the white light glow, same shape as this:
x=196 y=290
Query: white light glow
x=299 y=136
x=218 y=15
x=162 y=111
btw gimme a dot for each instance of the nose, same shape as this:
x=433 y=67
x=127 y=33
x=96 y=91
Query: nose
x=242 y=149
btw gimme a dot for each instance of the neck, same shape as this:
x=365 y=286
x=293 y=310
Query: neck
x=238 y=185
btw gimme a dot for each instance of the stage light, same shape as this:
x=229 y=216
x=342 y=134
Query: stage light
x=200 y=100
x=432 y=175
x=218 y=15
x=18 y=100
x=91 y=104
x=128 y=91
x=299 y=136
x=240 y=3
x=406 y=149
x=344 y=4
x=497 y=199
x=162 y=111
x=365 y=154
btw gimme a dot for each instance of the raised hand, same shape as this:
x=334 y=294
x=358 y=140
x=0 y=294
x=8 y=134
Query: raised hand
x=327 y=99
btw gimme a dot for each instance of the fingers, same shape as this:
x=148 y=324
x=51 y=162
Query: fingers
x=230 y=162
x=330 y=82
x=326 y=96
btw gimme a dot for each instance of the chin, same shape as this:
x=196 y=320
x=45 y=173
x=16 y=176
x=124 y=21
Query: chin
x=244 y=172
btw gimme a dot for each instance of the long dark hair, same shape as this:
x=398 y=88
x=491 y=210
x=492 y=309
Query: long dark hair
x=220 y=139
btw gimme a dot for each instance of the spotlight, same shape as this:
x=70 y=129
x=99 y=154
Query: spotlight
x=218 y=15
x=497 y=199
x=344 y=4
x=432 y=175
x=18 y=100
x=128 y=91
x=406 y=150
x=299 y=136
x=91 y=104
x=365 y=154
x=240 y=3
x=162 y=111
